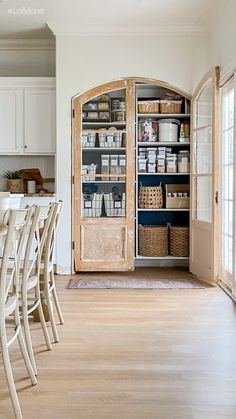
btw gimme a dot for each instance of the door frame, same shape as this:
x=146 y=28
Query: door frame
x=213 y=74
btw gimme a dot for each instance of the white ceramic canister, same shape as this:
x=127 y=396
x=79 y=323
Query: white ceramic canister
x=168 y=130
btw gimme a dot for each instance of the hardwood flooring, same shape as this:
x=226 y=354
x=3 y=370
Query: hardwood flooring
x=133 y=354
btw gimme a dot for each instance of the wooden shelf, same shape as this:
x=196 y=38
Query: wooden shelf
x=164 y=115
x=161 y=144
x=163 y=174
x=162 y=258
x=104 y=124
x=103 y=181
x=103 y=148
x=163 y=209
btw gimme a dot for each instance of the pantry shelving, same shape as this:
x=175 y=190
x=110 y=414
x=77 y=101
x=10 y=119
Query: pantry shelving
x=154 y=151
x=107 y=175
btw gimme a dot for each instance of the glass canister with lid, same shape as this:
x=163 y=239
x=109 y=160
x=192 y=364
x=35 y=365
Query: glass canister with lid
x=184 y=161
x=147 y=130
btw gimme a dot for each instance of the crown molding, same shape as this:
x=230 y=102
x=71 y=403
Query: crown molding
x=59 y=29
x=27 y=44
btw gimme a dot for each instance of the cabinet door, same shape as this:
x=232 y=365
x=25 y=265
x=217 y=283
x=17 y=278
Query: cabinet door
x=205 y=179
x=11 y=107
x=39 y=121
x=104 y=152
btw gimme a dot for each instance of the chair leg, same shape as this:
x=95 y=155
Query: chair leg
x=44 y=327
x=55 y=299
x=50 y=307
x=28 y=340
x=9 y=376
x=24 y=350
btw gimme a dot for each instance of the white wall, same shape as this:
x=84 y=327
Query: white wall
x=33 y=63
x=86 y=61
x=222 y=35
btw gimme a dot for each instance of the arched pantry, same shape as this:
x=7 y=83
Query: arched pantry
x=128 y=135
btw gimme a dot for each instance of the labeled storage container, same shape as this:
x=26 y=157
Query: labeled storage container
x=114 y=167
x=89 y=169
x=179 y=241
x=91 y=205
x=105 y=169
x=150 y=197
x=114 y=204
x=148 y=106
x=168 y=130
x=88 y=139
x=161 y=167
x=183 y=161
x=170 y=106
x=147 y=130
x=171 y=163
x=153 y=240
x=142 y=165
x=122 y=165
x=118 y=115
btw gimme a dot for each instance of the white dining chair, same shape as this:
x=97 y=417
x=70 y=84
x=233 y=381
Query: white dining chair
x=30 y=275
x=15 y=224
x=47 y=270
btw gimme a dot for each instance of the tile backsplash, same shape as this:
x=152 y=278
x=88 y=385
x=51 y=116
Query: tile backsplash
x=46 y=165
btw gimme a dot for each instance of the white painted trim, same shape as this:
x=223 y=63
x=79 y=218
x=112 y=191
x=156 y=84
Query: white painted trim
x=24 y=82
x=59 y=28
x=27 y=44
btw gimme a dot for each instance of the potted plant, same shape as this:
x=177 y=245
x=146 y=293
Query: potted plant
x=15 y=182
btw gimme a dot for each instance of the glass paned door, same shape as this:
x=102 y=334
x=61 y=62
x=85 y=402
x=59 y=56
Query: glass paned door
x=227 y=185
x=204 y=179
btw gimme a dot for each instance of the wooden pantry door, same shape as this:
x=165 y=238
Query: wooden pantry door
x=204 y=214
x=104 y=243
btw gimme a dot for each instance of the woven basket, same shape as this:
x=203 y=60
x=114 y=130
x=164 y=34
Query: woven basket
x=179 y=241
x=171 y=106
x=153 y=240
x=148 y=106
x=150 y=197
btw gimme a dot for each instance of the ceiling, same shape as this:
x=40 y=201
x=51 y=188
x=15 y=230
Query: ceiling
x=28 y=18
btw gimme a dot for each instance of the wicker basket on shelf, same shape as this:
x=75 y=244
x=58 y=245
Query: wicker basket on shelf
x=153 y=240
x=179 y=241
x=148 y=106
x=150 y=197
x=170 y=106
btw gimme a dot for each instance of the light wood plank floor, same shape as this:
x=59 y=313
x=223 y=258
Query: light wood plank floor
x=131 y=354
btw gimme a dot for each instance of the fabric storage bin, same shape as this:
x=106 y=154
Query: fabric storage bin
x=92 y=205
x=170 y=106
x=153 y=240
x=179 y=241
x=114 y=204
x=150 y=197
x=88 y=139
x=148 y=106
x=168 y=130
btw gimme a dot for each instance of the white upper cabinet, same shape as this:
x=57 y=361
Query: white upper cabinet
x=11 y=121
x=27 y=115
x=39 y=121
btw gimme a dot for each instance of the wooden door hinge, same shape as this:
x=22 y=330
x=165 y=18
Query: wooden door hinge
x=73 y=180
x=73 y=245
x=73 y=113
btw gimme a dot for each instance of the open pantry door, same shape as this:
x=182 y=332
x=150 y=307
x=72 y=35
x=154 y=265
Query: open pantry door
x=204 y=218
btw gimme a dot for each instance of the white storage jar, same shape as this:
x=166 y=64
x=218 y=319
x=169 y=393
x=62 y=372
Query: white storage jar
x=168 y=130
